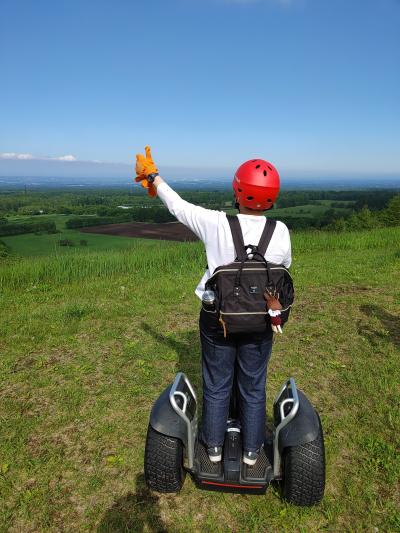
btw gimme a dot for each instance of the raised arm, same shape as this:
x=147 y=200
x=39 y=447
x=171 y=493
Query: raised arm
x=203 y=222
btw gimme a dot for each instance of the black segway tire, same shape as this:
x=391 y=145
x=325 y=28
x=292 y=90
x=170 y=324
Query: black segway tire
x=163 y=462
x=304 y=472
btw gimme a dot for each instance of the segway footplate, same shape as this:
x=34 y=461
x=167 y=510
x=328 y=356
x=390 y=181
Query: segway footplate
x=231 y=474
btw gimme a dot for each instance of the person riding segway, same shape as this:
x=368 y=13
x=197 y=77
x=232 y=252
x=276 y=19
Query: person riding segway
x=246 y=294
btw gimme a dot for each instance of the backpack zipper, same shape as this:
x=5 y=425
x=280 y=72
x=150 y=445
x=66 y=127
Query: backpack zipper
x=249 y=313
x=252 y=269
x=254 y=312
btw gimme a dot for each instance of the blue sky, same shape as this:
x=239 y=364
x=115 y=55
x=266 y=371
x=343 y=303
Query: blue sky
x=312 y=85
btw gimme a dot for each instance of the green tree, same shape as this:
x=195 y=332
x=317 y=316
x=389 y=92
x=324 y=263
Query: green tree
x=4 y=250
x=339 y=225
x=30 y=210
x=391 y=215
x=363 y=219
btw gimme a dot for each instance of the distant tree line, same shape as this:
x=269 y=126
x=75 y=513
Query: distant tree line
x=97 y=201
x=69 y=242
x=301 y=223
x=339 y=209
x=19 y=228
x=364 y=218
x=373 y=199
x=90 y=202
x=151 y=214
x=367 y=219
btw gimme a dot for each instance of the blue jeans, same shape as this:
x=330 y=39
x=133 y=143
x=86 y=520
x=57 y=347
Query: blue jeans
x=219 y=355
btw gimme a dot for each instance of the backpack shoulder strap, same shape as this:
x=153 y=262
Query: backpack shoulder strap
x=266 y=236
x=237 y=236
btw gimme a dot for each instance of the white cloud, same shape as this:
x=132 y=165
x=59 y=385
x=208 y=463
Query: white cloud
x=14 y=155
x=23 y=157
x=65 y=158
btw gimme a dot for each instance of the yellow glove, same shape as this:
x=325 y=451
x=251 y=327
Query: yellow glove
x=145 y=166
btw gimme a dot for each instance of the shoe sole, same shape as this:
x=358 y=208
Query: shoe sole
x=250 y=462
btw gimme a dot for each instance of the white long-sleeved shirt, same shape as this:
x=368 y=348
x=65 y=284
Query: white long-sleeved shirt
x=212 y=227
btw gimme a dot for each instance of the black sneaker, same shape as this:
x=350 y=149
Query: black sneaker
x=215 y=454
x=250 y=458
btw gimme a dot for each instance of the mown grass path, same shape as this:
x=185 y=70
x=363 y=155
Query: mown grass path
x=88 y=340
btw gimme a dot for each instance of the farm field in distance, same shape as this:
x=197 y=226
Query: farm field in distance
x=168 y=231
x=91 y=334
x=72 y=211
x=29 y=244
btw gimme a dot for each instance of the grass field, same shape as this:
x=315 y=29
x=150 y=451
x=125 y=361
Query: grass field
x=90 y=338
x=30 y=245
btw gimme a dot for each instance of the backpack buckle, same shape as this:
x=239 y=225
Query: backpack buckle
x=253 y=249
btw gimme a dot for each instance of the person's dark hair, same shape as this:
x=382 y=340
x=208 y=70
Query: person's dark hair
x=237 y=206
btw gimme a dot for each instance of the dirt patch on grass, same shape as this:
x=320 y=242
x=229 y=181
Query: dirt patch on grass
x=169 y=231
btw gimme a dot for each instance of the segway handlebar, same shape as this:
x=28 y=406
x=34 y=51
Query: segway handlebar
x=182 y=392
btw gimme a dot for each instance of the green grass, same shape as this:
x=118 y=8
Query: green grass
x=89 y=339
x=59 y=220
x=30 y=245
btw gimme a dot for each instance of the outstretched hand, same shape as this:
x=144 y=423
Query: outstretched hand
x=144 y=167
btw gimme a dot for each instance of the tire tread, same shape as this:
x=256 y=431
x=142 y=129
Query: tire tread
x=163 y=462
x=304 y=473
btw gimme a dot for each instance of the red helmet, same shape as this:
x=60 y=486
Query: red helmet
x=256 y=184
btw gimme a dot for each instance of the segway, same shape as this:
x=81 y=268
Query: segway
x=294 y=458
